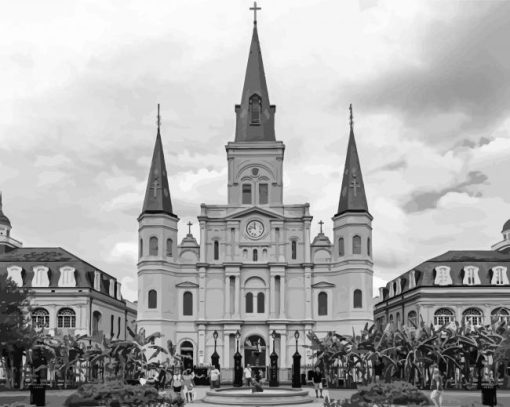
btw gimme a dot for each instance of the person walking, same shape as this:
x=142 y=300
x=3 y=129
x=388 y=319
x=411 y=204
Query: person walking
x=161 y=379
x=189 y=385
x=177 y=382
x=317 y=382
x=489 y=389
x=436 y=385
x=247 y=374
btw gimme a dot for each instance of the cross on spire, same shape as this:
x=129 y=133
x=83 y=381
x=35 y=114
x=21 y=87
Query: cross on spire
x=189 y=227
x=158 y=121
x=321 y=223
x=255 y=8
x=351 y=121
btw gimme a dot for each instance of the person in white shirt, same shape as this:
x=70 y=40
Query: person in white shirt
x=215 y=377
x=247 y=375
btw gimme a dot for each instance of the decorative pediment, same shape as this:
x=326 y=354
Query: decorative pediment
x=187 y=284
x=255 y=210
x=323 y=284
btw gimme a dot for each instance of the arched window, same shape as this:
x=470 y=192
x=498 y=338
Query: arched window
x=153 y=299
x=246 y=198
x=169 y=247
x=356 y=245
x=96 y=319
x=260 y=303
x=245 y=254
x=369 y=247
x=341 y=250
x=443 y=316
x=140 y=248
x=66 y=318
x=398 y=318
x=40 y=318
x=216 y=250
x=473 y=316
x=498 y=315
x=293 y=247
x=263 y=194
x=255 y=255
x=118 y=327
x=187 y=303
x=249 y=303
x=323 y=303
x=391 y=319
x=153 y=246
x=255 y=109
x=412 y=319
x=358 y=299
x=112 y=322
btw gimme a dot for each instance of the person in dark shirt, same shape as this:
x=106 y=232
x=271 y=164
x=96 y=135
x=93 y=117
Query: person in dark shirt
x=317 y=381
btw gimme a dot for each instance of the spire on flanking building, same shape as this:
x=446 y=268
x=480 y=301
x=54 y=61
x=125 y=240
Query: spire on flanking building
x=255 y=115
x=4 y=220
x=352 y=195
x=157 y=195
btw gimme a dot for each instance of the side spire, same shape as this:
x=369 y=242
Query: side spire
x=255 y=115
x=157 y=194
x=4 y=220
x=352 y=195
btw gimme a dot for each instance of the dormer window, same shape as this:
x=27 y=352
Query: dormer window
x=499 y=276
x=255 y=109
x=398 y=288
x=412 y=279
x=471 y=275
x=443 y=276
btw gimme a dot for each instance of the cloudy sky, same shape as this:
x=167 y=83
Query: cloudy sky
x=429 y=81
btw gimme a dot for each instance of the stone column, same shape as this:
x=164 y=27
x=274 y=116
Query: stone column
x=282 y=297
x=203 y=243
x=308 y=294
x=237 y=290
x=283 y=350
x=201 y=293
x=307 y=241
x=201 y=344
x=225 y=361
x=227 y=296
x=273 y=297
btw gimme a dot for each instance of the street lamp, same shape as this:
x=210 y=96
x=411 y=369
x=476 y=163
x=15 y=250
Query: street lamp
x=296 y=366
x=273 y=370
x=238 y=370
x=215 y=358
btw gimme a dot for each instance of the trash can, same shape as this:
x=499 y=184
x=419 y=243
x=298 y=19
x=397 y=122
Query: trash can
x=489 y=395
x=38 y=394
x=303 y=379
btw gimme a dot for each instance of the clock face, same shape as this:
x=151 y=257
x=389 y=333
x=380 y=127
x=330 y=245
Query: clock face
x=254 y=229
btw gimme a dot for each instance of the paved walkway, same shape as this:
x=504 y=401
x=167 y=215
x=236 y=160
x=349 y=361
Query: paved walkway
x=55 y=398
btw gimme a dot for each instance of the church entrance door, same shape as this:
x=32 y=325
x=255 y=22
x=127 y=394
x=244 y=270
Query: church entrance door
x=187 y=354
x=255 y=354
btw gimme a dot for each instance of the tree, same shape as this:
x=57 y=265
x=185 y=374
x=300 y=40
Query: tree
x=14 y=307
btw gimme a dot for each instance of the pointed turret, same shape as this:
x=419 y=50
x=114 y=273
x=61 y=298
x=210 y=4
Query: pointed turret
x=157 y=195
x=352 y=195
x=255 y=116
x=4 y=220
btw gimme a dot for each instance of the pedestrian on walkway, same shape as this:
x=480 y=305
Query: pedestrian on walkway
x=317 y=382
x=436 y=385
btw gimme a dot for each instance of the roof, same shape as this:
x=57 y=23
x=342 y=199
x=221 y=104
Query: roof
x=4 y=220
x=255 y=83
x=157 y=195
x=506 y=226
x=352 y=194
x=470 y=255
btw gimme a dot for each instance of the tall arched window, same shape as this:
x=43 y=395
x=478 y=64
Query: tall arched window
x=255 y=109
x=96 y=319
x=246 y=195
x=66 y=318
x=356 y=245
x=341 y=250
x=112 y=322
x=293 y=249
x=260 y=303
x=153 y=299
x=443 y=316
x=187 y=303
x=357 y=299
x=255 y=255
x=140 y=248
x=412 y=319
x=40 y=318
x=249 y=303
x=323 y=303
x=153 y=246
x=473 y=316
x=498 y=315
x=216 y=250
x=169 y=247
x=369 y=247
x=118 y=327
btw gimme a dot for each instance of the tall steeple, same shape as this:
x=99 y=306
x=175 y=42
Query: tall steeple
x=352 y=195
x=157 y=195
x=255 y=115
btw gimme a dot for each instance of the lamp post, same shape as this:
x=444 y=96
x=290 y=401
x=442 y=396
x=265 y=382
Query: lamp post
x=238 y=369
x=296 y=366
x=273 y=369
x=215 y=358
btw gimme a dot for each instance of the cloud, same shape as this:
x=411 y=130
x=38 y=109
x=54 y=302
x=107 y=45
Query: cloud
x=50 y=178
x=126 y=252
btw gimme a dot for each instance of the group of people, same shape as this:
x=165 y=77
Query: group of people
x=181 y=383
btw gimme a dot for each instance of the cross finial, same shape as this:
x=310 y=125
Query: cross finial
x=158 y=119
x=321 y=223
x=255 y=8
x=351 y=121
x=189 y=227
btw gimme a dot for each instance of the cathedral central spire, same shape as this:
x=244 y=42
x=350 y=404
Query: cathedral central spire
x=255 y=115
x=352 y=196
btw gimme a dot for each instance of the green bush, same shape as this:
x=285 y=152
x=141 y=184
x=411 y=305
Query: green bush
x=115 y=394
x=384 y=394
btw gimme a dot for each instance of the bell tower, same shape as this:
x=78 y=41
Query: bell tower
x=7 y=243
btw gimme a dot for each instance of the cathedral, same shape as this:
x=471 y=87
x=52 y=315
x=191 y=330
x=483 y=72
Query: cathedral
x=256 y=281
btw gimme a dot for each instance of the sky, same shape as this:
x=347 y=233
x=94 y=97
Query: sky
x=429 y=82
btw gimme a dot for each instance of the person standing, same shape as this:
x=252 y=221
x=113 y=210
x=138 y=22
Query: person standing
x=161 y=379
x=189 y=384
x=489 y=389
x=215 y=377
x=317 y=382
x=436 y=385
x=177 y=382
x=247 y=375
